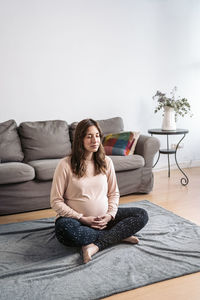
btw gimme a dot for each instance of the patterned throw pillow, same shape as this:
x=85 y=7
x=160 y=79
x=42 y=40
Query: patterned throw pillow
x=122 y=143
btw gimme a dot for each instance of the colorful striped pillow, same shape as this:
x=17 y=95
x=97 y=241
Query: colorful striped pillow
x=122 y=143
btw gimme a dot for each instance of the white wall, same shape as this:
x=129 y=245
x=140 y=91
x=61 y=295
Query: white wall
x=71 y=59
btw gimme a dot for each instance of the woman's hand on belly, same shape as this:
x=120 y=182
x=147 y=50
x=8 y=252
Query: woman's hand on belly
x=89 y=221
x=96 y=222
x=102 y=221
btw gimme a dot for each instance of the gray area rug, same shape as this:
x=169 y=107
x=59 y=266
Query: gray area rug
x=34 y=265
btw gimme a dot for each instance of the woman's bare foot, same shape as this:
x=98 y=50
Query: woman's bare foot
x=88 y=251
x=131 y=239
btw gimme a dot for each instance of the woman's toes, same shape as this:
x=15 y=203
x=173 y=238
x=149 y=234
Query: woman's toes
x=132 y=239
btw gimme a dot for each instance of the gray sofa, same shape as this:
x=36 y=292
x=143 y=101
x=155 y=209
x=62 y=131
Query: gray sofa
x=30 y=152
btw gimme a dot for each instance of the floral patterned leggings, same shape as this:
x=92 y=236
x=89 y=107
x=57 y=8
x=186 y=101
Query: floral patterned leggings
x=127 y=222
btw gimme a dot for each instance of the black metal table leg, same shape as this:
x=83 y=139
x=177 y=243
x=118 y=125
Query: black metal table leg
x=157 y=159
x=168 y=156
x=183 y=180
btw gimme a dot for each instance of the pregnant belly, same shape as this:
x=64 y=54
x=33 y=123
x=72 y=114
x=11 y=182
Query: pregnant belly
x=89 y=207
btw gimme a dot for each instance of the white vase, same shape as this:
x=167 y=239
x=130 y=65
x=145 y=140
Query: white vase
x=169 y=119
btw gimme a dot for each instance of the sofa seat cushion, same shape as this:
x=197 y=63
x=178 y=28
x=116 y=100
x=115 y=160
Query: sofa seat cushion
x=45 y=139
x=15 y=172
x=10 y=145
x=129 y=162
x=44 y=168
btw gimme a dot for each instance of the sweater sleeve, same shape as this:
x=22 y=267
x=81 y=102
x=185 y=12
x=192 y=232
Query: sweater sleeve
x=113 y=190
x=59 y=185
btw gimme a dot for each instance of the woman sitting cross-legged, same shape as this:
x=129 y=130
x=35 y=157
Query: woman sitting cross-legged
x=85 y=197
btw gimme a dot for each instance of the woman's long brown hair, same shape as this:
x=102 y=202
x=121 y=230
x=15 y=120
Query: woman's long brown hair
x=78 y=151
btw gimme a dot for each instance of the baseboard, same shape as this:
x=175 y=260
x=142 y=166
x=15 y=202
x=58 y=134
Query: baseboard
x=183 y=165
x=195 y=163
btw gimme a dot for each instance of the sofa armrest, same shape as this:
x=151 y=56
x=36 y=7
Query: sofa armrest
x=147 y=146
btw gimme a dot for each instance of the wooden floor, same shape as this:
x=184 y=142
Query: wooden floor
x=170 y=194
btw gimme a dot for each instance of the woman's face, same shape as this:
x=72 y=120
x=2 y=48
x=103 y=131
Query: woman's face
x=92 y=141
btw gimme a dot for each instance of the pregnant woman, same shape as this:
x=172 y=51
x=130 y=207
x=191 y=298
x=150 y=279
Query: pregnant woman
x=85 y=197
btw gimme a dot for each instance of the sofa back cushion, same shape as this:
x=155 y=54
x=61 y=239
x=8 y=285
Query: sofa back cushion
x=112 y=125
x=45 y=139
x=10 y=145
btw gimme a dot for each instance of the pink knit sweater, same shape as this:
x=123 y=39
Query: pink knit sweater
x=86 y=196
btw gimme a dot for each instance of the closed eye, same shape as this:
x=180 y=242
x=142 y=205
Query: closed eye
x=90 y=135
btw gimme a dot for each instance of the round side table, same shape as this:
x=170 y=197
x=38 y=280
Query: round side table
x=168 y=151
